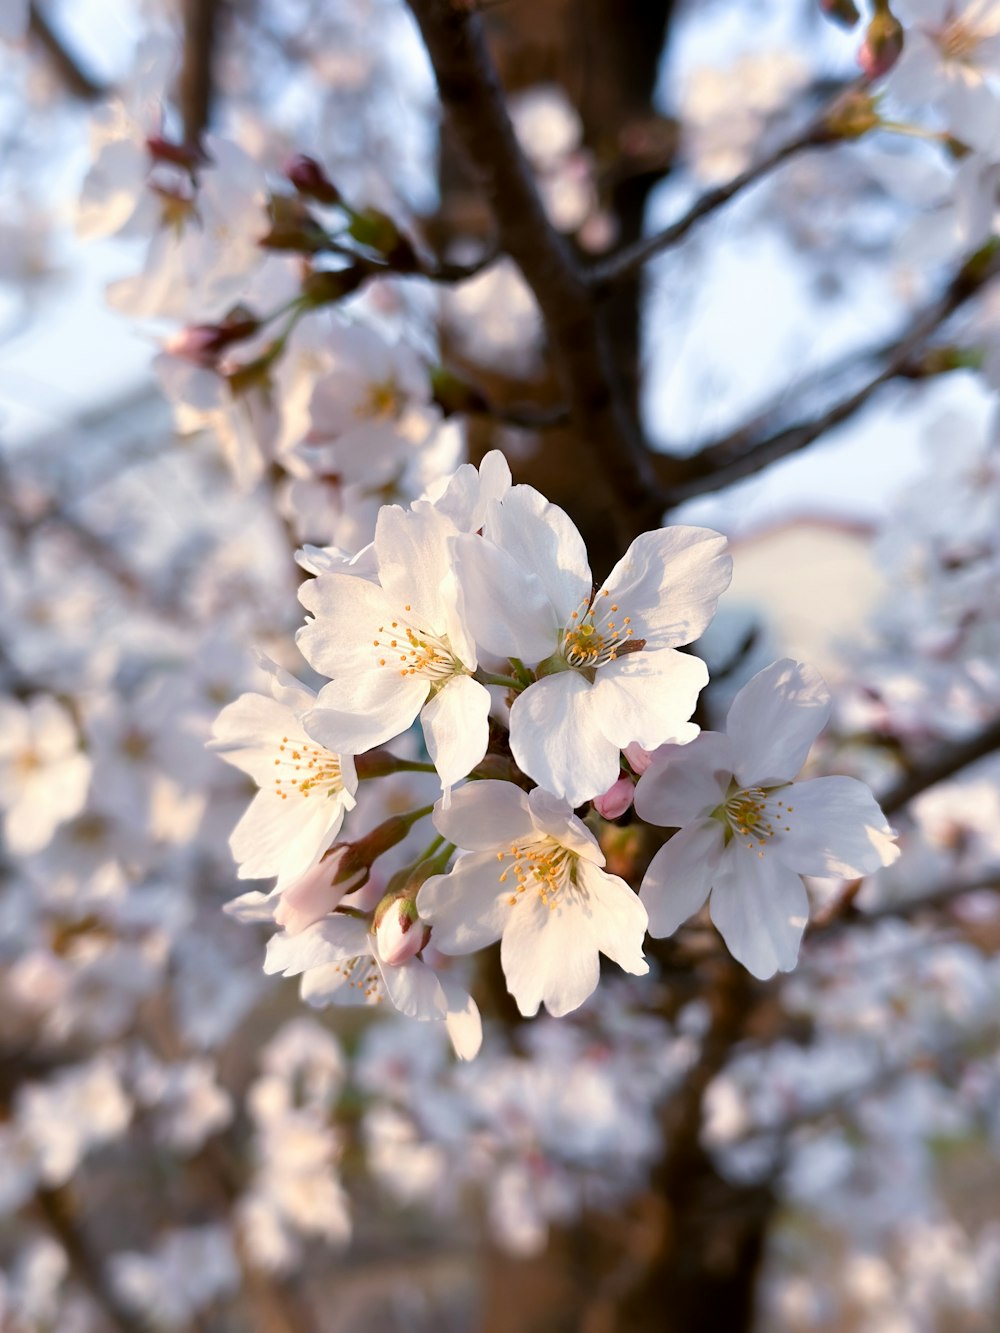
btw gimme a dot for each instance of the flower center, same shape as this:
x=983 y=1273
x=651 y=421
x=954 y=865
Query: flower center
x=384 y=401
x=545 y=867
x=415 y=651
x=304 y=768
x=753 y=817
x=958 y=40
x=361 y=974
x=597 y=633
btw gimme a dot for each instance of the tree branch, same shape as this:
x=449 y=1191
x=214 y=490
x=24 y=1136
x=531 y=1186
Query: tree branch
x=632 y=257
x=948 y=761
x=474 y=104
x=195 y=86
x=739 y=455
x=72 y=75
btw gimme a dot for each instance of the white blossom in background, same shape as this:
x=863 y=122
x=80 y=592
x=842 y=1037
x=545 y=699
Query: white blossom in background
x=748 y=831
x=184 y=1274
x=951 y=61
x=532 y=877
x=44 y=774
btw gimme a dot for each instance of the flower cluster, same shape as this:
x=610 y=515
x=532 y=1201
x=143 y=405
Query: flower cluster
x=476 y=614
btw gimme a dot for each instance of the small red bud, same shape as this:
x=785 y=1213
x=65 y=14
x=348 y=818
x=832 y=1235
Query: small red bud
x=309 y=178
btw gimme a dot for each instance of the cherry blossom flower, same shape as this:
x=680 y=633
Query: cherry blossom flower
x=610 y=674
x=951 y=60
x=341 y=963
x=305 y=790
x=532 y=878
x=44 y=775
x=748 y=832
x=397 y=648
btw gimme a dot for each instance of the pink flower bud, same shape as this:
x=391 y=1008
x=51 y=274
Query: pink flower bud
x=639 y=758
x=203 y=343
x=309 y=178
x=400 y=934
x=882 y=46
x=616 y=800
x=319 y=890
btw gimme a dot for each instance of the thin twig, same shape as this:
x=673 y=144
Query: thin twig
x=196 y=84
x=948 y=761
x=71 y=73
x=735 y=456
x=632 y=257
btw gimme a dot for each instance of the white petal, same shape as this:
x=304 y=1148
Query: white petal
x=680 y=876
x=468 y=907
x=555 y=739
x=284 y=837
x=548 y=956
x=348 y=612
x=248 y=731
x=456 y=727
x=415 y=989
x=774 y=720
x=669 y=582
x=355 y=713
x=485 y=817
x=647 y=697
x=328 y=941
x=685 y=782
x=544 y=540
x=413 y=560
x=830 y=826
x=464 y=1022
x=507 y=606
x=760 y=909
x=616 y=917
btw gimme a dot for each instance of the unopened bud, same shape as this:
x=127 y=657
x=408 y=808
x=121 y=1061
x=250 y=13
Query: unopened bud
x=882 y=46
x=851 y=116
x=309 y=178
x=203 y=343
x=399 y=932
x=177 y=154
x=616 y=800
x=319 y=890
x=844 y=12
x=638 y=758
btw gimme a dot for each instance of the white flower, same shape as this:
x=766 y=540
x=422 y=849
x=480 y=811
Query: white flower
x=305 y=790
x=611 y=673
x=397 y=648
x=341 y=962
x=951 y=60
x=533 y=880
x=747 y=831
x=44 y=775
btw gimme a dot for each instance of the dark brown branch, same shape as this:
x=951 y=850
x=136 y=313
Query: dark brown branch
x=948 y=761
x=474 y=105
x=633 y=257
x=739 y=455
x=71 y=74
x=195 y=86
x=58 y=1210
